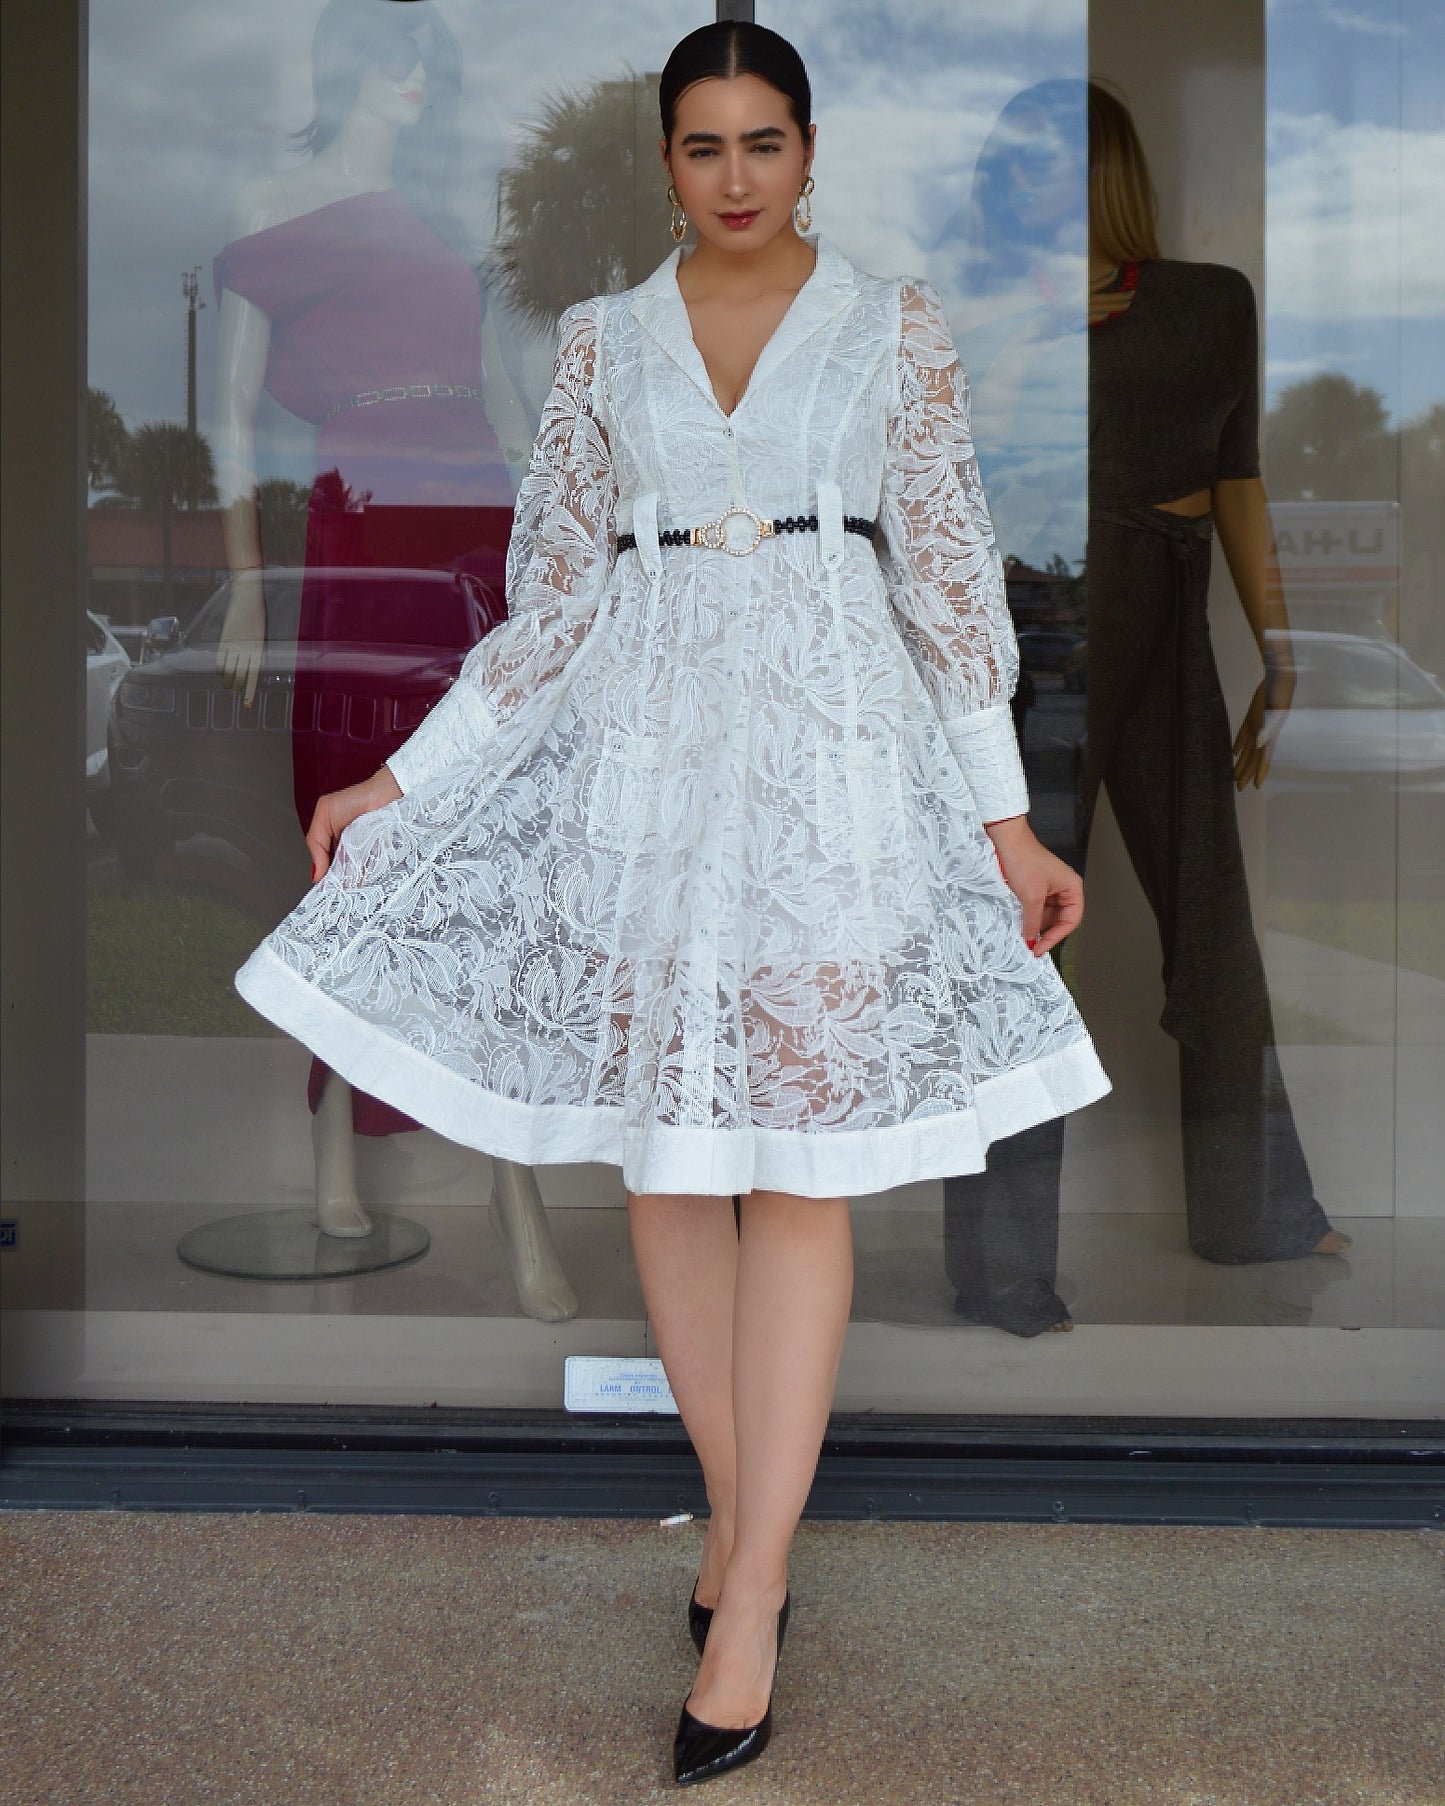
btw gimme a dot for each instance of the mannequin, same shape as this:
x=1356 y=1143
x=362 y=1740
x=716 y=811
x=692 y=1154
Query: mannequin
x=1173 y=459
x=338 y=280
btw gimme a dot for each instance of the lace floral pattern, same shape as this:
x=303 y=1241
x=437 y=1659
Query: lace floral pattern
x=689 y=872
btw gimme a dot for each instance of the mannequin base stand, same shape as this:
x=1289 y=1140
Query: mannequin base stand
x=289 y=1244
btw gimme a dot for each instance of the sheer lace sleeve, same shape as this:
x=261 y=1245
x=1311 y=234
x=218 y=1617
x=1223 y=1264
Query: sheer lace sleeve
x=561 y=553
x=945 y=578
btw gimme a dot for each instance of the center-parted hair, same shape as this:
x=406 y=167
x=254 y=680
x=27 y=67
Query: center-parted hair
x=729 y=48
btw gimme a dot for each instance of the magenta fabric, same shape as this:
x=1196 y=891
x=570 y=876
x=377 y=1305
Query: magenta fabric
x=362 y=294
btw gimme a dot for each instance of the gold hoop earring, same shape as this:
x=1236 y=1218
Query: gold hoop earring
x=803 y=207
x=678 y=227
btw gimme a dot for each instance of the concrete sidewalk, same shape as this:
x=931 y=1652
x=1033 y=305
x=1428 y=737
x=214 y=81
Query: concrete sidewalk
x=374 y=1661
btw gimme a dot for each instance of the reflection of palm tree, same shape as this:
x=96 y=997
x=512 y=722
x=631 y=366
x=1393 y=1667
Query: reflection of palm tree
x=166 y=466
x=582 y=208
x=106 y=439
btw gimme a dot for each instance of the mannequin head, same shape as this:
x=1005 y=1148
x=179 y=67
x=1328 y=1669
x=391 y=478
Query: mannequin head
x=737 y=132
x=1123 y=206
x=397 y=65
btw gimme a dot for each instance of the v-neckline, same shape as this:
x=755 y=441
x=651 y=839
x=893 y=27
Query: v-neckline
x=767 y=344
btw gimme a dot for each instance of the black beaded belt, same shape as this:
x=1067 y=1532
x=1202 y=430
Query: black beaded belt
x=368 y=398
x=714 y=533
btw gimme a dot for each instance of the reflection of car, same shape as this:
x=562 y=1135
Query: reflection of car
x=1364 y=721
x=106 y=664
x=132 y=638
x=1046 y=648
x=1076 y=669
x=1363 y=714
x=188 y=758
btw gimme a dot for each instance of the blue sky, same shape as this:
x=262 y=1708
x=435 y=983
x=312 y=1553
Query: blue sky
x=1356 y=195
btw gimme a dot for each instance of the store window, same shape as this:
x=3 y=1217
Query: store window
x=328 y=250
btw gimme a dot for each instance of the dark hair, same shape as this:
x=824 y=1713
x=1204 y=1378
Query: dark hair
x=350 y=36
x=735 y=47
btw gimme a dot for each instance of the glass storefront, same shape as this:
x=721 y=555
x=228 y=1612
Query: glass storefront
x=326 y=250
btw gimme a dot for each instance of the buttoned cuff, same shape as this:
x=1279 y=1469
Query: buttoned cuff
x=987 y=750
x=450 y=735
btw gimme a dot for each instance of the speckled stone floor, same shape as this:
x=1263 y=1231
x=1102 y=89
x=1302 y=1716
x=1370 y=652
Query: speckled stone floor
x=385 y=1661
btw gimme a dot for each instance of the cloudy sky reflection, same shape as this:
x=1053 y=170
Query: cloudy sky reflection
x=190 y=98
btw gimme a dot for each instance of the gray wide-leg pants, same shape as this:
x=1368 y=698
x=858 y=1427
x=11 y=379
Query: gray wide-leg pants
x=1159 y=740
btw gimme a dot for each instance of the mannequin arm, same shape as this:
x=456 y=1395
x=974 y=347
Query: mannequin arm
x=244 y=344
x=1241 y=518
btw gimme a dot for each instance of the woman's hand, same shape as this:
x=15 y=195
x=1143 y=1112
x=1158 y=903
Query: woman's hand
x=243 y=636
x=339 y=808
x=1254 y=743
x=1051 y=892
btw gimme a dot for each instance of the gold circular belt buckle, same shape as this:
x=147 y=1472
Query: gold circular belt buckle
x=715 y=534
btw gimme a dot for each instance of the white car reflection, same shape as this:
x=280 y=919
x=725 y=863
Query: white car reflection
x=1364 y=715
x=1365 y=722
x=106 y=663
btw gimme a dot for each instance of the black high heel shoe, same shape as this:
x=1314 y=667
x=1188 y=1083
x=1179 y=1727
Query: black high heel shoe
x=698 y=1619
x=700 y=1751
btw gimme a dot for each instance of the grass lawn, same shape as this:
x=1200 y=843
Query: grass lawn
x=160 y=960
x=161 y=956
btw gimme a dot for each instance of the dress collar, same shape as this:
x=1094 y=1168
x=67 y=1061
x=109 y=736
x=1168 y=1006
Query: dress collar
x=659 y=305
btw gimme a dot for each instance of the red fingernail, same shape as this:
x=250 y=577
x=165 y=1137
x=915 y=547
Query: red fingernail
x=313 y=874
x=1031 y=943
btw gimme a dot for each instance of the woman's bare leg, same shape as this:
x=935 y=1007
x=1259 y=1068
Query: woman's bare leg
x=686 y=1249
x=794 y=1289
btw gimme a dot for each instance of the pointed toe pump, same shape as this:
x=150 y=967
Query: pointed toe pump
x=701 y=1751
x=698 y=1619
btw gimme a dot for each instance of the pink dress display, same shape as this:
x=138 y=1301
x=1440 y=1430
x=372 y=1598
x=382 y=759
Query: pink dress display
x=375 y=339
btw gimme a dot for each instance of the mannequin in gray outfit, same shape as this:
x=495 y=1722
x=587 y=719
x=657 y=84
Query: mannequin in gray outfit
x=1173 y=413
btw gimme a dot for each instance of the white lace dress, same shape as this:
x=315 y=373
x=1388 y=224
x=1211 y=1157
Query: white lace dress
x=689 y=873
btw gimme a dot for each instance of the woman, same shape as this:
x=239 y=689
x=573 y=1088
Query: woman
x=689 y=871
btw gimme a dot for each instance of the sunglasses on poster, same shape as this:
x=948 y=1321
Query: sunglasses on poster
x=401 y=56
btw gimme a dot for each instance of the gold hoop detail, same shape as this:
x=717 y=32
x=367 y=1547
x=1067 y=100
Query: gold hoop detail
x=802 y=207
x=678 y=227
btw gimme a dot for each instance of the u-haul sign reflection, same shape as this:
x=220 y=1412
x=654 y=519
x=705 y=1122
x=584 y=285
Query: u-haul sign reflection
x=1335 y=546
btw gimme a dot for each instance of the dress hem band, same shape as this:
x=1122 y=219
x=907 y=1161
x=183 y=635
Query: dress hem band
x=660 y=1157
